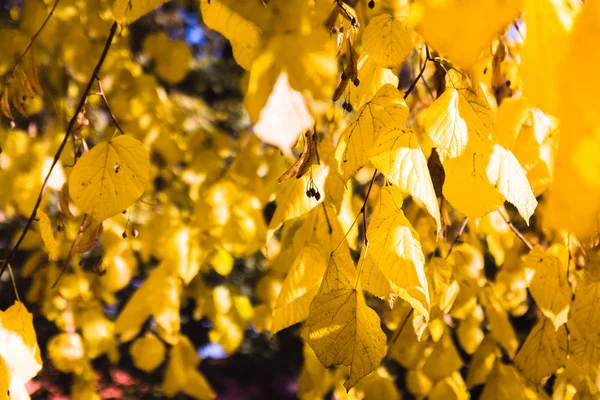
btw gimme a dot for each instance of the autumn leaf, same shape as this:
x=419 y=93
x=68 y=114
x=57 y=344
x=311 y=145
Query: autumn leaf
x=371 y=77
x=400 y=159
x=385 y=111
x=127 y=11
x=244 y=35
x=477 y=22
x=549 y=286
x=181 y=374
x=395 y=250
x=284 y=117
x=544 y=351
x=20 y=357
x=387 y=40
x=546 y=44
x=147 y=352
x=110 y=177
x=48 y=236
x=342 y=329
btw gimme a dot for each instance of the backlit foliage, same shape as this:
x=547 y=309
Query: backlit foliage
x=397 y=183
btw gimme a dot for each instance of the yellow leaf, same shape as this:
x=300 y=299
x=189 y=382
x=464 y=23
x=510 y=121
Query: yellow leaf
x=299 y=288
x=445 y=125
x=342 y=329
x=292 y=201
x=476 y=22
x=387 y=40
x=379 y=384
x=371 y=77
x=442 y=289
x=314 y=381
x=20 y=357
x=301 y=284
x=284 y=117
x=147 y=352
x=585 y=311
x=451 y=387
x=376 y=283
x=245 y=37
x=500 y=325
x=400 y=159
x=386 y=110
x=548 y=26
x=395 y=250
x=181 y=374
x=235 y=217
x=443 y=360
x=47 y=235
x=186 y=253
x=507 y=175
x=574 y=203
x=127 y=11
x=504 y=383
x=482 y=362
x=549 y=286
x=67 y=352
x=467 y=186
x=110 y=177
x=544 y=351
x=417 y=383
x=461 y=116
x=171 y=58
x=309 y=61
x=159 y=297
x=583 y=364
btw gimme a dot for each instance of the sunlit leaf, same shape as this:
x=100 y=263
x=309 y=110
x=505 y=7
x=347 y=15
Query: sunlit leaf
x=110 y=177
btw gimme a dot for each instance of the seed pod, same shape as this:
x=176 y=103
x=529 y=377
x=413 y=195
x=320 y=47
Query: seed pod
x=5 y=104
x=340 y=89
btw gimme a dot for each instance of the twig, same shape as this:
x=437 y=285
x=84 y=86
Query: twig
x=516 y=231
x=70 y=254
x=111 y=35
x=327 y=218
x=32 y=40
x=108 y=106
x=14 y=283
x=414 y=83
x=364 y=206
x=455 y=241
x=362 y=210
x=397 y=335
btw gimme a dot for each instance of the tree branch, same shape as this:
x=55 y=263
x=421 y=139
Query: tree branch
x=516 y=231
x=111 y=35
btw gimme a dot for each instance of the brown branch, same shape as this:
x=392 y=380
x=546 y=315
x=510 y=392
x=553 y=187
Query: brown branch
x=32 y=40
x=456 y=239
x=516 y=231
x=108 y=106
x=364 y=206
x=414 y=83
x=111 y=35
x=397 y=335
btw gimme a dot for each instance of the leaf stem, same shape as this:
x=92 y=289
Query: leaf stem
x=414 y=83
x=456 y=239
x=516 y=231
x=112 y=116
x=327 y=218
x=70 y=254
x=14 y=283
x=11 y=254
